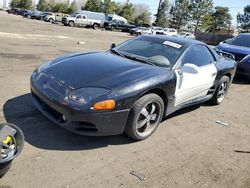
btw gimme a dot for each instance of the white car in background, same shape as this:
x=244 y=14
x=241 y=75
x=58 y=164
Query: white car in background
x=170 y=31
x=157 y=31
x=186 y=35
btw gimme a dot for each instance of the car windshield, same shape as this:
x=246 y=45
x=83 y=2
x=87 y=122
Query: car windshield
x=241 y=40
x=155 y=51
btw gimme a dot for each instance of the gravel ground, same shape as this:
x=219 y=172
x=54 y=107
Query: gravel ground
x=188 y=150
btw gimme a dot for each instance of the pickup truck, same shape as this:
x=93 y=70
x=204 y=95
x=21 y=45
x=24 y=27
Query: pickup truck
x=89 y=19
x=120 y=25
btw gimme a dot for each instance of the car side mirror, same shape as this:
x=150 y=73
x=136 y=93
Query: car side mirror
x=190 y=68
x=113 y=45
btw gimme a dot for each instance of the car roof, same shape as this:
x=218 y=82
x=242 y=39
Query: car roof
x=248 y=34
x=182 y=41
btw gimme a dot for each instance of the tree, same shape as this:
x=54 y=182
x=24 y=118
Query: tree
x=243 y=20
x=200 y=8
x=25 y=4
x=108 y=6
x=93 y=5
x=42 y=5
x=14 y=3
x=60 y=7
x=144 y=18
x=128 y=12
x=72 y=8
x=220 y=18
x=180 y=13
x=161 y=17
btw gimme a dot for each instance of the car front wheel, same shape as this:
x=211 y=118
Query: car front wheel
x=221 y=91
x=145 y=117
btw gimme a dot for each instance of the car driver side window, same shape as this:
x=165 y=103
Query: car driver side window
x=198 y=55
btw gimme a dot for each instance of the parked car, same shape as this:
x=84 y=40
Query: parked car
x=13 y=10
x=113 y=21
x=85 y=19
x=41 y=16
x=170 y=31
x=239 y=46
x=140 y=31
x=50 y=17
x=130 y=87
x=26 y=13
x=119 y=25
x=35 y=14
x=157 y=31
x=186 y=35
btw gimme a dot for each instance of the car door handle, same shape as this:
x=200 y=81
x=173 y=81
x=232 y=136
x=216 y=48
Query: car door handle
x=214 y=74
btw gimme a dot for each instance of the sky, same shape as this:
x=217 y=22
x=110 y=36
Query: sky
x=234 y=5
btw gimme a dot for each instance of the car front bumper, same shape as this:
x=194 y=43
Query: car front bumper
x=78 y=121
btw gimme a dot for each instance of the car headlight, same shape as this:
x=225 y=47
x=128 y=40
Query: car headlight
x=85 y=95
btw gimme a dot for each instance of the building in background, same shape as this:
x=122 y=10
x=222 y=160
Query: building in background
x=4 y=4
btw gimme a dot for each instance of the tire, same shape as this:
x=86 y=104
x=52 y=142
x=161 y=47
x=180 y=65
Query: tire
x=71 y=24
x=148 y=110
x=112 y=28
x=221 y=91
x=51 y=20
x=95 y=26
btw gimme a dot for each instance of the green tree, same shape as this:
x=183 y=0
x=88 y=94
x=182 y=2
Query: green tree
x=25 y=4
x=14 y=3
x=117 y=7
x=243 y=20
x=222 y=18
x=128 y=12
x=108 y=6
x=72 y=8
x=60 y=7
x=161 y=16
x=42 y=5
x=93 y=5
x=144 y=18
x=180 y=13
x=200 y=8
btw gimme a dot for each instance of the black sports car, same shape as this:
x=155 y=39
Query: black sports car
x=130 y=87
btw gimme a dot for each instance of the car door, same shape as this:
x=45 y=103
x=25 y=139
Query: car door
x=85 y=21
x=190 y=85
x=78 y=20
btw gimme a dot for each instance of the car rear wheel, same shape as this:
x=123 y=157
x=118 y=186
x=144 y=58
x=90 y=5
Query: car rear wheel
x=221 y=91
x=95 y=26
x=145 y=117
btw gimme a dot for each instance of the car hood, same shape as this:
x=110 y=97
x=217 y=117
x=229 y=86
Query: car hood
x=233 y=49
x=98 y=69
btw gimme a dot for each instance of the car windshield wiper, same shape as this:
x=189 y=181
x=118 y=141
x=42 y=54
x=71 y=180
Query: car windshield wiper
x=118 y=53
x=141 y=59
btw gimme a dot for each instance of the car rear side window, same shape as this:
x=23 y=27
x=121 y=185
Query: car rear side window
x=198 y=55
